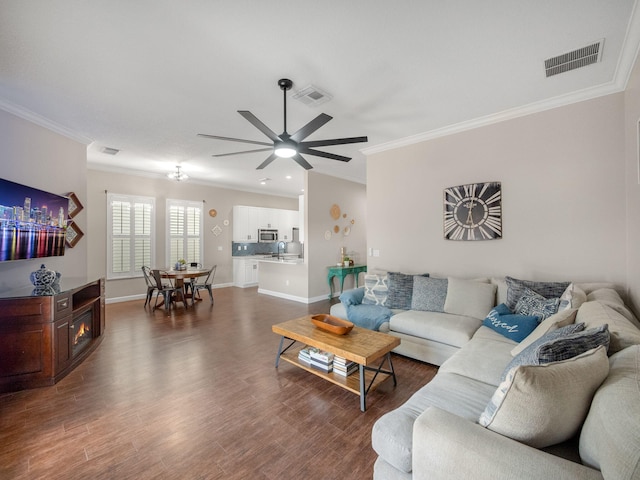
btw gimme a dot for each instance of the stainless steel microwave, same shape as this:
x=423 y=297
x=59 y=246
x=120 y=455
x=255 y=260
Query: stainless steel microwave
x=267 y=235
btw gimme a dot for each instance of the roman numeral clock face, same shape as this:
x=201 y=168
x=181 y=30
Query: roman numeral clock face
x=473 y=212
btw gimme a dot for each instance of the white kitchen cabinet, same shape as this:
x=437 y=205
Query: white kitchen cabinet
x=268 y=218
x=287 y=219
x=245 y=224
x=245 y=272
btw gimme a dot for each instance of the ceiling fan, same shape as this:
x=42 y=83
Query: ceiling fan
x=289 y=146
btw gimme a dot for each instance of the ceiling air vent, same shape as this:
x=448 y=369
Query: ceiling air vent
x=110 y=151
x=576 y=59
x=312 y=96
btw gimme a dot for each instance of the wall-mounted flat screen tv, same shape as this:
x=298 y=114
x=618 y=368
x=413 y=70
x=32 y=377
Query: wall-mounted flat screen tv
x=33 y=222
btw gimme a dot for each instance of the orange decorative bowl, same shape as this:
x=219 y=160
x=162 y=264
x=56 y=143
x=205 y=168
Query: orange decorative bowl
x=331 y=324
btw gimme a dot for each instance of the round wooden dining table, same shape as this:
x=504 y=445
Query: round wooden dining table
x=179 y=276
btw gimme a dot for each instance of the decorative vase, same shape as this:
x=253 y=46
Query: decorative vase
x=43 y=277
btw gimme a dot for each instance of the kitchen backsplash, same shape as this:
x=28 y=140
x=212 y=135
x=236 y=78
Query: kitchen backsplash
x=238 y=249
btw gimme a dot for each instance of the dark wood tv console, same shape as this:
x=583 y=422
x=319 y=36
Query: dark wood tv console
x=43 y=337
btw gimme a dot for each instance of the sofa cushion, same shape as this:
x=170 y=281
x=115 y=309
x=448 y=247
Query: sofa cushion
x=532 y=303
x=623 y=332
x=559 y=320
x=515 y=327
x=429 y=293
x=610 y=437
x=483 y=358
x=376 y=289
x=353 y=296
x=470 y=298
x=612 y=299
x=400 y=290
x=454 y=330
x=392 y=434
x=515 y=287
x=525 y=406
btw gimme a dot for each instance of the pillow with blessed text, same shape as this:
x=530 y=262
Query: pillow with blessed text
x=512 y=326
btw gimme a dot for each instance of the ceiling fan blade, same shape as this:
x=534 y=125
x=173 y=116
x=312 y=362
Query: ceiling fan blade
x=245 y=151
x=216 y=137
x=302 y=162
x=270 y=159
x=310 y=127
x=334 y=141
x=318 y=153
x=251 y=118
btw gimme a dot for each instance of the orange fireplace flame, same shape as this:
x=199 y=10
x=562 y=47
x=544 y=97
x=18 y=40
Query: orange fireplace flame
x=82 y=331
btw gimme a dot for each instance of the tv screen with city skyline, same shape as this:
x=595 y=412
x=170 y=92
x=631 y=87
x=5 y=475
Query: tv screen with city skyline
x=33 y=222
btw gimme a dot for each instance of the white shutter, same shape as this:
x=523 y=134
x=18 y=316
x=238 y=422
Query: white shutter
x=185 y=224
x=131 y=242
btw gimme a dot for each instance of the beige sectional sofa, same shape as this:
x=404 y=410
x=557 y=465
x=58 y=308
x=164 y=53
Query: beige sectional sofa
x=577 y=418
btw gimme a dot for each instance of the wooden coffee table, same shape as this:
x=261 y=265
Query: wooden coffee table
x=362 y=346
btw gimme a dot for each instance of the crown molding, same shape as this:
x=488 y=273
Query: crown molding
x=624 y=68
x=37 y=119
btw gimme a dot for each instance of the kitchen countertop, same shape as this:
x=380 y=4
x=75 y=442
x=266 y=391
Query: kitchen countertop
x=287 y=258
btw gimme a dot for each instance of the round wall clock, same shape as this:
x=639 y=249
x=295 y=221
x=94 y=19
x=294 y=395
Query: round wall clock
x=473 y=212
x=213 y=212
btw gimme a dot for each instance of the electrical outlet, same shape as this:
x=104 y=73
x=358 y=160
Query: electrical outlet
x=245 y=247
x=286 y=282
x=371 y=252
x=219 y=248
x=239 y=247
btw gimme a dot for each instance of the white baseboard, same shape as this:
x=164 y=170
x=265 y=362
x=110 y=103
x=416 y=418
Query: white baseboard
x=141 y=296
x=292 y=297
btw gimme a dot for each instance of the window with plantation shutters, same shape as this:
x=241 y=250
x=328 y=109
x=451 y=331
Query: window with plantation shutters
x=130 y=239
x=185 y=224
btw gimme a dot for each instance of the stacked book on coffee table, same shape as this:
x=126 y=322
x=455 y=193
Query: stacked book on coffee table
x=316 y=358
x=344 y=367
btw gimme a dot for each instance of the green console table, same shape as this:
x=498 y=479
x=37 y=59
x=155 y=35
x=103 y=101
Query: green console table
x=342 y=272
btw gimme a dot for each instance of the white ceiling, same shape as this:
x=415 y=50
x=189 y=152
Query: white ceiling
x=146 y=76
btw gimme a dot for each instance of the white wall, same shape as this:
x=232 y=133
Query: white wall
x=632 y=150
x=220 y=199
x=321 y=192
x=37 y=157
x=563 y=186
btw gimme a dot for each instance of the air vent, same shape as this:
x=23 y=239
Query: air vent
x=576 y=59
x=110 y=151
x=312 y=96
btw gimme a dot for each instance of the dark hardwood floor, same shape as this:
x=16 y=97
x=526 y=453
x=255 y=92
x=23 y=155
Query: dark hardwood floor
x=195 y=395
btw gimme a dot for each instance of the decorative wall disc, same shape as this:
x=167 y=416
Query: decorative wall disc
x=335 y=211
x=216 y=230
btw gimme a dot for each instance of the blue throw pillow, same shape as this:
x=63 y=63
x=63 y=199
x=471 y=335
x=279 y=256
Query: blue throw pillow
x=429 y=293
x=352 y=297
x=515 y=287
x=400 y=290
x=515 y=327
x=532 y=303
x=561 y=344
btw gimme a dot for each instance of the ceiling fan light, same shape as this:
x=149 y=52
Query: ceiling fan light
x=285 y=150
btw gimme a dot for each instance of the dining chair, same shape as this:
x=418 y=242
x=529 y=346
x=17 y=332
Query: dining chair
x=167 y=291
x=151 y=284
x=196 y=285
